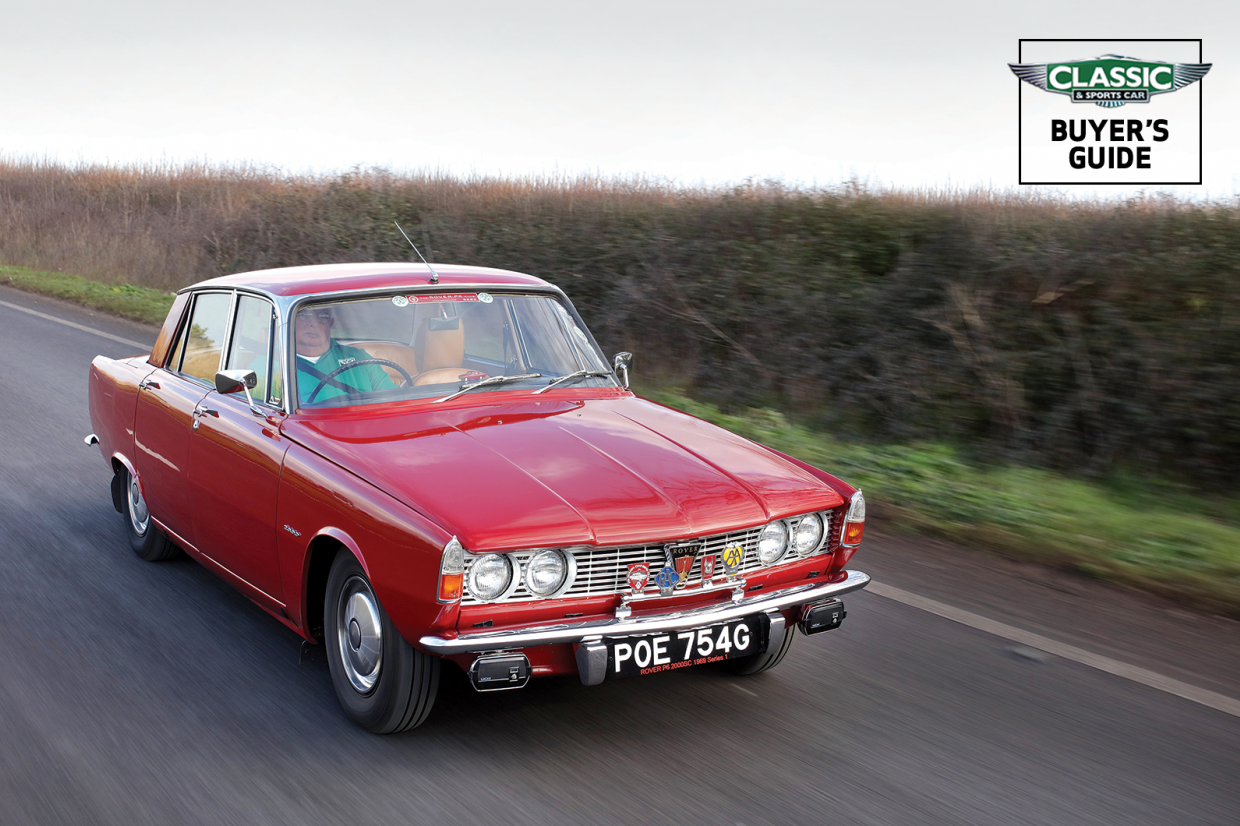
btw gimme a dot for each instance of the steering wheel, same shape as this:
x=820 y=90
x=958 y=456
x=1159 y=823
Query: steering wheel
x=342 y=368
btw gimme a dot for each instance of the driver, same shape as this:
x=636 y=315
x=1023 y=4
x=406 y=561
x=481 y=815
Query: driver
x=318 y=354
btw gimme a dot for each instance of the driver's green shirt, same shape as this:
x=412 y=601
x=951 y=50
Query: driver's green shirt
x=361 y=379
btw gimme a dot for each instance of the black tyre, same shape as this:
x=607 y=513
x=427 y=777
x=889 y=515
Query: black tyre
x=775 y=652
x=384 y=684
x=147 y=541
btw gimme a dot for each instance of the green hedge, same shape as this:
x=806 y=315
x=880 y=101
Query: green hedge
x=1085 y=338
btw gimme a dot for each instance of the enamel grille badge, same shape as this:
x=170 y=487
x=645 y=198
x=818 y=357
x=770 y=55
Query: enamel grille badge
x=639 y=575
x=681 y=558
x=733 y=557
x=666 y=580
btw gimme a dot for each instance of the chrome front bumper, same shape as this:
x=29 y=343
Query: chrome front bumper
x=562 y=632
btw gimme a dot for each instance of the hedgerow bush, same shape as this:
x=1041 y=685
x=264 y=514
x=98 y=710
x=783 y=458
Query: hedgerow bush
x=1082 y=336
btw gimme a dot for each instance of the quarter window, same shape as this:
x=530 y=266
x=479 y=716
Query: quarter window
x=251 y=348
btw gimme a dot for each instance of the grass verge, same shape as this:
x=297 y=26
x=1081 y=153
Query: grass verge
x=136 y=303
x=1159 y=538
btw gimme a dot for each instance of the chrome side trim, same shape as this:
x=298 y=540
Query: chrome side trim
x=562 y=632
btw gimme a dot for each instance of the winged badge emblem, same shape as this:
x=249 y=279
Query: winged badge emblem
x=1110 y=80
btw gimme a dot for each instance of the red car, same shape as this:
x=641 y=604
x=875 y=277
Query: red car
x=414 y=465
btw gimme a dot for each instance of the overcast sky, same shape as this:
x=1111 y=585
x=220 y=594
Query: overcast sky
x=900 y=94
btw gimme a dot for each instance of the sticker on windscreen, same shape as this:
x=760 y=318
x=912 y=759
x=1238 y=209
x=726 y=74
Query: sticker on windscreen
x=485 y=298
x=440 y=297
x=400 y=301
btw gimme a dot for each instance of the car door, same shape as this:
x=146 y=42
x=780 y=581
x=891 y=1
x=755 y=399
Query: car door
x=236 y=455
x=164 y=415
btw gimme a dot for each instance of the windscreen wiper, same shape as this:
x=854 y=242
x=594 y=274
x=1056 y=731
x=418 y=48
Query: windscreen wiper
x=465 y=388
x=580 y=374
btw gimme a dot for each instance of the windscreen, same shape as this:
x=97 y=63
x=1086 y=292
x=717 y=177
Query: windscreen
x=416 y=346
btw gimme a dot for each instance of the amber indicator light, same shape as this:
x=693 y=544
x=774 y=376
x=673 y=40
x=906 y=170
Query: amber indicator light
x=450 y=587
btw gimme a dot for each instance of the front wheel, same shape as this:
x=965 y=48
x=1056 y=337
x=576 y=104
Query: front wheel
x=383 y=683
x=146 y=540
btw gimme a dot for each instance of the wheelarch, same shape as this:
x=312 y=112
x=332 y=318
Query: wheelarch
x=120 y=465
x=320 y=554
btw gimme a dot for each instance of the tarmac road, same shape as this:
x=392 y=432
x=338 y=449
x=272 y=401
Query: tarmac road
x=135 y=693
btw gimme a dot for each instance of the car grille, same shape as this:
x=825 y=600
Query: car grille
x=604 y=571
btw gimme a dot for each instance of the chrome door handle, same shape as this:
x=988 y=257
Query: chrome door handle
x=202 y=410
x=147 y=384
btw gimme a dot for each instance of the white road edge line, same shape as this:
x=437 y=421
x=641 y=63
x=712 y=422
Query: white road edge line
x=144 y=347
x=1211 y=699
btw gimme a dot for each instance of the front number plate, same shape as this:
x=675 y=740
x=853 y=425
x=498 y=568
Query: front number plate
x=656 y=653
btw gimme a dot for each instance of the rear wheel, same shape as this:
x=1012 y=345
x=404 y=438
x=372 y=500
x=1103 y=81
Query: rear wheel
x=383 y=683
x=775 y=652
x=147 y=541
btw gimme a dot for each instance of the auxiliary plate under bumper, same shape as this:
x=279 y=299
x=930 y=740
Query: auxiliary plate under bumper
x=562 y=632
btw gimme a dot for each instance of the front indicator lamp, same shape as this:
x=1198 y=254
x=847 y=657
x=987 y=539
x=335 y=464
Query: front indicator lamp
x=854 y=522
x=451 y=571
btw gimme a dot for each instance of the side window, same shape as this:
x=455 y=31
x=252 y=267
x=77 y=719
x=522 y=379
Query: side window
x=251 y=342
x=204 y=337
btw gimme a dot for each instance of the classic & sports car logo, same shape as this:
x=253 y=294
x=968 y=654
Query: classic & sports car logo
x=1110 y=80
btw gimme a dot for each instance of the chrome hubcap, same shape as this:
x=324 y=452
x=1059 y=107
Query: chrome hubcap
x=360 y=634
x=139 y=516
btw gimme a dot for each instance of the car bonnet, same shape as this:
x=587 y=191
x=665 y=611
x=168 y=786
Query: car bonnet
x=554 y=472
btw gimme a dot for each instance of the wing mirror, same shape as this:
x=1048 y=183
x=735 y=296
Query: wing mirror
x=621 y=362
x=230 y=381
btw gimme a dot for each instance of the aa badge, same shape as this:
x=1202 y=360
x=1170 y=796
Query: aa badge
x=708 y=567
x=639 y=575
x=733 y=557
x=681 y=558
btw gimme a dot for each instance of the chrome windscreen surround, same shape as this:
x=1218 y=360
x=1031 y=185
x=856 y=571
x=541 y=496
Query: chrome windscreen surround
x=604 y=571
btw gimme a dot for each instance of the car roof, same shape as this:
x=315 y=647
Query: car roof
x=329 y=278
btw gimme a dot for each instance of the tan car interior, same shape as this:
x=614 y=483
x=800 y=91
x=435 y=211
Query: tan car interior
x=436 y=355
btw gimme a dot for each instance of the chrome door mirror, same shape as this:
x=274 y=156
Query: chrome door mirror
x=230 y=381
x=621 y=362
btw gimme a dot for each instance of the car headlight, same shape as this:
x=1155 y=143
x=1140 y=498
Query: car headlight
x=490 y=576
x=545 y=573
x=807 y=534
x=772 y=542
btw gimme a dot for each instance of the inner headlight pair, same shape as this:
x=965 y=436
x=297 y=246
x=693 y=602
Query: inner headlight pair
x=492 y=575
x=804 y=534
